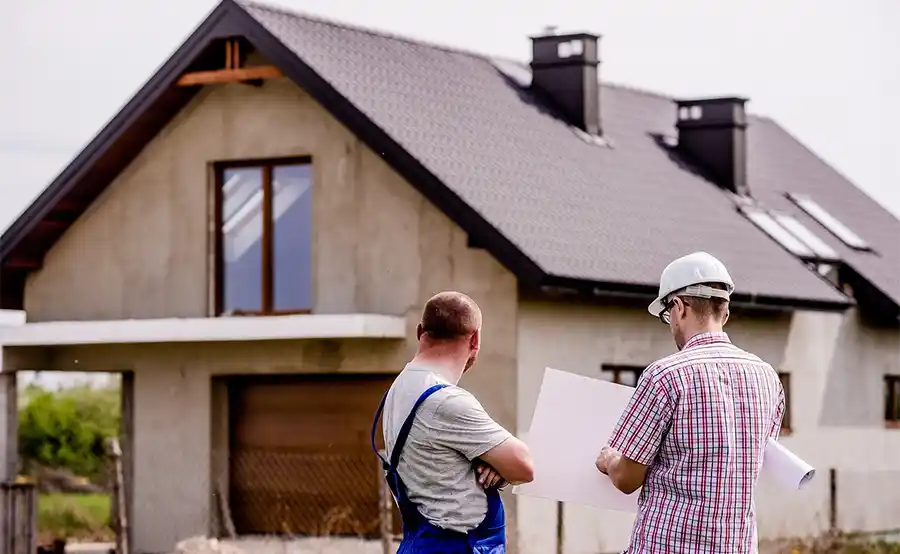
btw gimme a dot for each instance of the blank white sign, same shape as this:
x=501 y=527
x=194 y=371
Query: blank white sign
x=573 y=419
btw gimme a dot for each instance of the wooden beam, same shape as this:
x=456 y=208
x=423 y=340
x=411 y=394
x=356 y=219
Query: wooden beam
x=222 y=76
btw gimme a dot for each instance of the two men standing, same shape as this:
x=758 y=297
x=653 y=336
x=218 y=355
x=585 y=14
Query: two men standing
x=693 y=434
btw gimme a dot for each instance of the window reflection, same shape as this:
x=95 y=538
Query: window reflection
x=266 y=239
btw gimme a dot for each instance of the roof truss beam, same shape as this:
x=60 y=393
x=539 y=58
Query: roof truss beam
x=232 y=72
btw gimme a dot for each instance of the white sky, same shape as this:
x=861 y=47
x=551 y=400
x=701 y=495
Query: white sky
x=823 y=68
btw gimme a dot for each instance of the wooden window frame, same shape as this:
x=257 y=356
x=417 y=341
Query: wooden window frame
x=785 y=379
x=892 y=397
x=267 y=295
x=618 y=370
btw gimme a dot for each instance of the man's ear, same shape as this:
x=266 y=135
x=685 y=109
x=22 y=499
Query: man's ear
x=475 y=341
x=419 y=331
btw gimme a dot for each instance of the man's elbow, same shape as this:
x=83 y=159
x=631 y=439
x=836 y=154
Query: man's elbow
x=523 y=472
x=625 y=485
x=624 y=482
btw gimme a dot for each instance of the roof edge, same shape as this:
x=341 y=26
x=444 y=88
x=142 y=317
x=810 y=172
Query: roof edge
x=397 y=157
x=230 y=18
x=648 y=292
x=112 y=130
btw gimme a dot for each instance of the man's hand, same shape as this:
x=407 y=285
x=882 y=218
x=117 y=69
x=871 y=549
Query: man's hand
x=626 y=474
x=604 y=459
x=487 y=476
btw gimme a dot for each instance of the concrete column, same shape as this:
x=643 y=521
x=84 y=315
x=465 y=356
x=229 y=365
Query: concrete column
x=9 y=423
x=9 y=456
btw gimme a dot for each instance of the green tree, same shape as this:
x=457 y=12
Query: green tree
x=67 y=429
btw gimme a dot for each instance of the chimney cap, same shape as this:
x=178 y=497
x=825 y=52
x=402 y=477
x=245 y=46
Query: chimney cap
x=552 y=32
x=712 y=101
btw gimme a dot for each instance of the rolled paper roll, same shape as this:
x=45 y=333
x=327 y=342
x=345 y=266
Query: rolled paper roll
x=787 y=468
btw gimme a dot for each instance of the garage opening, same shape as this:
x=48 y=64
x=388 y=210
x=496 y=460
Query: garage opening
x=300 y=457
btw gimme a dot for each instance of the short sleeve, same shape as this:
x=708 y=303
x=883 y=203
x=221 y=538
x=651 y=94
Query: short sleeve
x=775 y=430
x=643 y=425
x=462 y=424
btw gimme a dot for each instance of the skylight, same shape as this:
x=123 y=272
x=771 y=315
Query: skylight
x=778 y=233
x=817 y=245
x=828 y=221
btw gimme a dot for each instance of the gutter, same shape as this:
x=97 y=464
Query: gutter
x=636 y=292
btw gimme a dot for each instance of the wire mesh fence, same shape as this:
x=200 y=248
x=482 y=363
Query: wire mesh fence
x=308 y=494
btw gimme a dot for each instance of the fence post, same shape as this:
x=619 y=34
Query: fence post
x=560 y=528
x=119 y=492
x=19 y=503
x=832 y=500
x=384 y=510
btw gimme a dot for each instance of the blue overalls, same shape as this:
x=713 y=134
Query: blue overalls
x=419 y=535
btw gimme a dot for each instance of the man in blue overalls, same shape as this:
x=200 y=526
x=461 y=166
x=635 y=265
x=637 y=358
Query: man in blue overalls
x=447 y=459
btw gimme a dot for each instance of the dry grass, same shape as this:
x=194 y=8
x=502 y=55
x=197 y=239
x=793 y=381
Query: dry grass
x=833 y=543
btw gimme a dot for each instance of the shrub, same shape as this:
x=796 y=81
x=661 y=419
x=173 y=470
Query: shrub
x=68 y=429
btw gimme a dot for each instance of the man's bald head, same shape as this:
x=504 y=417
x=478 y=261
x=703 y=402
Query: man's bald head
x=449 y=316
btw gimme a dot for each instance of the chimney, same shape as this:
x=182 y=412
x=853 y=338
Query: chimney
x=565 y=68
x=712 y=133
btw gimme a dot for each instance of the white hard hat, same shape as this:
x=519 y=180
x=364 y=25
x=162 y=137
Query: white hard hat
x=691 y=271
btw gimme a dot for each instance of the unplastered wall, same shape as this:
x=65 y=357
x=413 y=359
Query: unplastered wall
x=837 y=364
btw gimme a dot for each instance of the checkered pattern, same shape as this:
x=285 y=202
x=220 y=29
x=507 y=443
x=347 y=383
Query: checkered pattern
x=700 y=419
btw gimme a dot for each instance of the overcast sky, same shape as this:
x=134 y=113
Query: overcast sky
x=829 y=70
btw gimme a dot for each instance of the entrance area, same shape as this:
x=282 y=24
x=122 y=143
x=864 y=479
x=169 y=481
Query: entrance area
x=65 y=421
x=300 y=457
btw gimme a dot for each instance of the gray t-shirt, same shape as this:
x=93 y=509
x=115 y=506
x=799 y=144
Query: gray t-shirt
x=450 y=430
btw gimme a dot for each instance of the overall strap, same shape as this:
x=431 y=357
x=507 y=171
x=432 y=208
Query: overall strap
x=407 y=425
x=380 y=409
x=404 y=430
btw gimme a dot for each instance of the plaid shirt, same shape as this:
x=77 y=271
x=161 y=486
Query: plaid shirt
x=700 y=420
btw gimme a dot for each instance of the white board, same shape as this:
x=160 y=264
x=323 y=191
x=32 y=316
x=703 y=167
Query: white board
x=573 y=419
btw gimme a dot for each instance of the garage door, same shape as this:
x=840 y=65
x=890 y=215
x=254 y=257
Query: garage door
x=301 y=461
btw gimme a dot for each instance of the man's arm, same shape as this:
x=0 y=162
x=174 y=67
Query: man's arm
x=512 y=460
x=638 y=435
x=461 y=423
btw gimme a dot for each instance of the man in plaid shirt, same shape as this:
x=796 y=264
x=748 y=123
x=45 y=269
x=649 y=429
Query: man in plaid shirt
x=694 y=432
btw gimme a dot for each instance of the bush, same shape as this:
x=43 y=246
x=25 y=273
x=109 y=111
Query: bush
x=68 y=429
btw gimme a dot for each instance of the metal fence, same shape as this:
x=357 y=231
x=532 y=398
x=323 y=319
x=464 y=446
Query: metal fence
x=19 y=513
x=306 y=494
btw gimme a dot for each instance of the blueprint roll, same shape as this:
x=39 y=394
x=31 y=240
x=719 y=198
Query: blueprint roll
x=786 y=467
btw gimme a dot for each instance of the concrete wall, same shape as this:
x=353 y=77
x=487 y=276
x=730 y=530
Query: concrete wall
x=142 y=252
x=837 y=368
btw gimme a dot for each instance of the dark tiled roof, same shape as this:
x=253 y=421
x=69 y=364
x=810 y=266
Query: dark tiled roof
x=779 y=163
x=578 y=210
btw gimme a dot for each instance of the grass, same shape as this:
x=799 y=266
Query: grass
x=834 y=543
x=76 y=517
